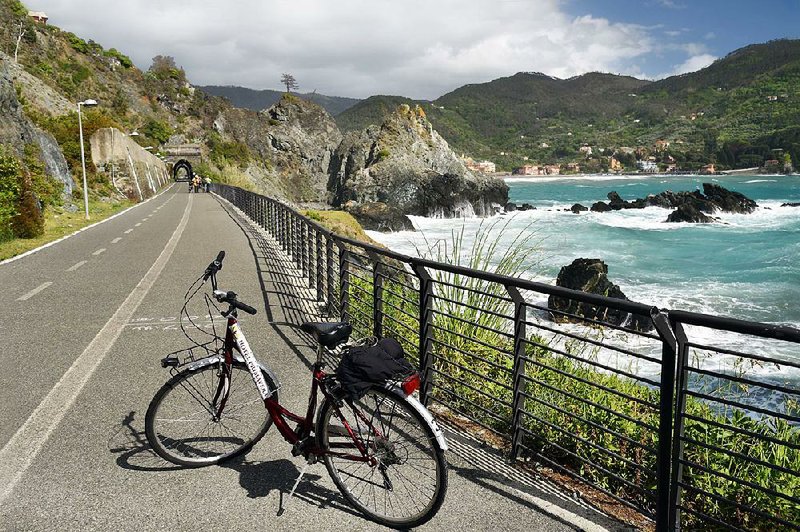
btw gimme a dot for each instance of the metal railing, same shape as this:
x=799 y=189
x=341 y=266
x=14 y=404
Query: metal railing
x=690 y=419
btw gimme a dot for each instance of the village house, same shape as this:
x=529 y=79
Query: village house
x=38 y=16
x=586 y=150
x=552 y=169
x=708 y=169
x=484 y=167
x=647 y=166
x=528 y=169
x=661 y=145
x=671 y=168
x=614 y=165
x=573 y=167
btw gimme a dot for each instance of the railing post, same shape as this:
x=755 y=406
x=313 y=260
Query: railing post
x=425 y=330
x=344 y=284
x=329 y=281
x=518 y=372
x=377 y=296
x=309 y=254
x=677 y=434
x=667 y=395
x=320 y=280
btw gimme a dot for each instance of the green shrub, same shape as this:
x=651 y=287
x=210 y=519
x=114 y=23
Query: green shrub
x=123 y=59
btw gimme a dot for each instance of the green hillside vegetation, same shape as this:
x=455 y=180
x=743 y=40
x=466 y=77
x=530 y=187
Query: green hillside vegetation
x=261 y=99
x=739 y=112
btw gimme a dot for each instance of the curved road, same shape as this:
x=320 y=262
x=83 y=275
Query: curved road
x=84 y=325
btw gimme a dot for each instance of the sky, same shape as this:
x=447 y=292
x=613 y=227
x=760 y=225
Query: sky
x=421 y=48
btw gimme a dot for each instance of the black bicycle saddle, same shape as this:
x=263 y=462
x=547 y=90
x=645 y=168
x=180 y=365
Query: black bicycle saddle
x=329 y=334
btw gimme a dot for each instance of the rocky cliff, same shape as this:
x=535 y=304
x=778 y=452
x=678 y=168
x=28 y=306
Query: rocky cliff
x=17 y=131
x=133 y=171
x=405 y=163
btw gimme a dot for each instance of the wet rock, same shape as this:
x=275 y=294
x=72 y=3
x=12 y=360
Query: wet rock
x=591 y=276
x=510 y=207
x=379 y=216
x=600 y=206
x=527 y=207
x=791 y=204
x=688 y=213
x=578 y=208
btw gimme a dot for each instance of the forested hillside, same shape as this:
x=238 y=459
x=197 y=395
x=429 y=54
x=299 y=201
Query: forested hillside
x=741 y=111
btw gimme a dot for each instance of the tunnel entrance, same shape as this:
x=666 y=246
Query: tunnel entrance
x=182 y=171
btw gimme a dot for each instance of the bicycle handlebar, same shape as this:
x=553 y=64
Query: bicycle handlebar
x=230 y=298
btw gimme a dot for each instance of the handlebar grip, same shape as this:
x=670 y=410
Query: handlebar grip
x=220 y=256
x=244 y=307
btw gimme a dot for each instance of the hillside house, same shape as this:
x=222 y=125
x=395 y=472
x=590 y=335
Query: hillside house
x=649 y=167
x=528 y=169
x=483 y=167
x=661 y=145
x=708 y=169
x=573 y=167
x=586 y=150
x=614 y=165
x=38 y=16
x=552 y=169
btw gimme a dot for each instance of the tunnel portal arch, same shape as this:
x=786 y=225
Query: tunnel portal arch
x=184 y=165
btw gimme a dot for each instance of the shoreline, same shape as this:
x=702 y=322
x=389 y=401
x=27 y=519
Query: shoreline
x=565 y=177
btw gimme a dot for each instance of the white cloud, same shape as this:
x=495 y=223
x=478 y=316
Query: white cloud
x=416 y=48
x=692 y=64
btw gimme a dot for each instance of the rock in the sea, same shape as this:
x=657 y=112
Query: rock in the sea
x=600 y=206
x=728 y=200
x=791 y=204
x=527 y=207
x=578 y=208
x=510 y=206
x=406 y=164
x=379 y=216
x=688 y=213
x=591 y=275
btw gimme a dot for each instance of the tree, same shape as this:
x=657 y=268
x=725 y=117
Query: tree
x=21 y=30
x=289 y=81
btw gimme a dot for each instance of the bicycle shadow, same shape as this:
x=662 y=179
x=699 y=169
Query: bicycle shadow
x=133 y=451
x=261 y=479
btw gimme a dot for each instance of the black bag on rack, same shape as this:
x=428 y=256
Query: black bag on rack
x=363 y=366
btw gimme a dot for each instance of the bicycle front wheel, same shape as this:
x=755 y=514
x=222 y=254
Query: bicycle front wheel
x=406 y=484
x=183 y=428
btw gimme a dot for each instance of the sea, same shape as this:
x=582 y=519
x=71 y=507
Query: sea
x=745 y=266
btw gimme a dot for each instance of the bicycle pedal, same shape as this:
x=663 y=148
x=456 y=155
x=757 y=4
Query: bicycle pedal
x=169 y=362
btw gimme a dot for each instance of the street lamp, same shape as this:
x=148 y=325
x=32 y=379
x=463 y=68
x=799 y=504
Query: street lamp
x=85 y=103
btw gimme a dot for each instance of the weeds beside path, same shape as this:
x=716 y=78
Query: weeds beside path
x=60 y=222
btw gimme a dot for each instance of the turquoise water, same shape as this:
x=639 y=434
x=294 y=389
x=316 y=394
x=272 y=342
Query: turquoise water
x=744 y=266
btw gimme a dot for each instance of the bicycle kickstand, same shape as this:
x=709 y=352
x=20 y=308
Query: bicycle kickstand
x=285 y=505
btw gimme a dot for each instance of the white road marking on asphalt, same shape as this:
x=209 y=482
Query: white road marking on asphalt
x=138 y=224
x=76 y=266
x=116 y=240
x=20 y=451
x=145 y=219
x=99 y=251
x=128 y=231
x=54 y=242
x=34 y=291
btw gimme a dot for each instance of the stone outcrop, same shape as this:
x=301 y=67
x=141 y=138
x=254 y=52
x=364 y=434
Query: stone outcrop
x=16 y=131
x=295 y=136
x=591 y=276
x=578 y=208
x=690 y=206
x=406 y=164
x=379 y=216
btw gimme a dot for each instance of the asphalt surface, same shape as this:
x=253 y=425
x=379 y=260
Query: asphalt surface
x=83 y=327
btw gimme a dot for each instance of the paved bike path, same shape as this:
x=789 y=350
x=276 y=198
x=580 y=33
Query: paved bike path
x=95 y=472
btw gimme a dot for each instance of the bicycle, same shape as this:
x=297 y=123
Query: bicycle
x=383 y=451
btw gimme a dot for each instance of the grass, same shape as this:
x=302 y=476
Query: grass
x=341 y=223
x=60 y=222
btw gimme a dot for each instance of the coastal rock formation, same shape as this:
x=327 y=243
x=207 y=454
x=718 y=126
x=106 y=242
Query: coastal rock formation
x=406 y=164
x=591 y=275
x=378 y=216
x=688 y=213
x=578 y=208
x=691 y=205
x=295 y=137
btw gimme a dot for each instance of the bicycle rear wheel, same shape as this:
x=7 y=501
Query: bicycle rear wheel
x=181 y=424
x=407 y=484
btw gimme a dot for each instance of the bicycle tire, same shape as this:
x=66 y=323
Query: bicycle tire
x=412 y=486
x=179 y=424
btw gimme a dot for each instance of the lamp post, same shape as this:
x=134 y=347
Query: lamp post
x=86 y=103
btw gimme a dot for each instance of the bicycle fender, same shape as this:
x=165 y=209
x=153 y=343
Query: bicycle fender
x=424 y=412
x=215 y=359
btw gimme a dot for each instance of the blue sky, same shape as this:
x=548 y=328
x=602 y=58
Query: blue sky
x=686 y=28
x=422 y=48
